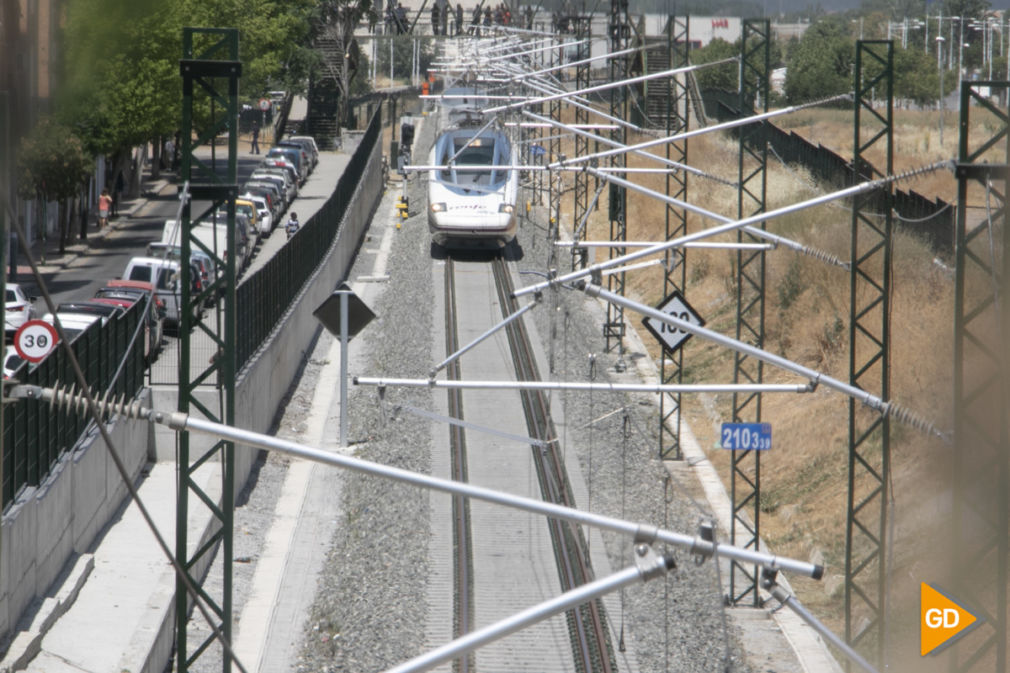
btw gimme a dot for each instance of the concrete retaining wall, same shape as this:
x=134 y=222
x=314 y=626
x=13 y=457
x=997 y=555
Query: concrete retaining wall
x=62 y=517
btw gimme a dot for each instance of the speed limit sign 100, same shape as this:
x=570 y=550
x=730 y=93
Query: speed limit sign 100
x=35 y=340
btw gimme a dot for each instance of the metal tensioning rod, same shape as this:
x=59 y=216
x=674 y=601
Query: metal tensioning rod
x=611 y=85
x=607 y=141
x=697 y=132
x=582 y=386
x=816 y=378
x=712 y=231
x=640 y=532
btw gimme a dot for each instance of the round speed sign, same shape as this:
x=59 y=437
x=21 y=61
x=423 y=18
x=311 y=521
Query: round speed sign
x=264 y=104
x=35 y=340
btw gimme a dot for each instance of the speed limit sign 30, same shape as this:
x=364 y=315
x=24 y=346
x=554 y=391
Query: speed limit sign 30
x=35 y=340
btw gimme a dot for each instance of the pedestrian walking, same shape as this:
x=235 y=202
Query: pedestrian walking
x=435 y=19
x=117 y=195
x=255 y=149
x=104 y=206
x=292 y=225
x=459 y=18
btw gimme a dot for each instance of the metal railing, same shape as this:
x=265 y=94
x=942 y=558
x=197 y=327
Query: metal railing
x=265 y=296
x=37 y=435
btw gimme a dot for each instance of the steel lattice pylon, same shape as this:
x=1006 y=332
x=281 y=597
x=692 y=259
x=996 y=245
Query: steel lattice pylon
x=678 y=47
x=750 y=304
x=619 y=29
x=580 y=211
x=981 y=399
x=210 y=59
x=869 y=356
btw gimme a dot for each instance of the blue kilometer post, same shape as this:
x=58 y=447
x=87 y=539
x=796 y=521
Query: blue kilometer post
x=746 y=436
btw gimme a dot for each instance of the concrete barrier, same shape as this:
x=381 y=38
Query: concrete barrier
x=62 y=518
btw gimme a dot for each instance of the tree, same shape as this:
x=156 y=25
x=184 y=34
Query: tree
x=915 y=76
x=52 y=165
x=971 y=9
x=724 y=76
x=820 y=64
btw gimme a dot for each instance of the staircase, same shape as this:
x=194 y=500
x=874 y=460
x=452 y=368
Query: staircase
x=657 y=91
x=325 y=93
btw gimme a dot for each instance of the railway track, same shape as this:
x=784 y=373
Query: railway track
x=584 y=631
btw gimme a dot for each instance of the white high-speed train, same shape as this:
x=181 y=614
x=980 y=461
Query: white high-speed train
x=469 y=202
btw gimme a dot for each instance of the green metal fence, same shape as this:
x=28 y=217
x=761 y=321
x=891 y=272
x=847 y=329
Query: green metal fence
x=265 y=296
x=36 y=434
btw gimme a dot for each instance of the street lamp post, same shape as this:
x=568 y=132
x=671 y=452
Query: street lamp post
x=939 y=50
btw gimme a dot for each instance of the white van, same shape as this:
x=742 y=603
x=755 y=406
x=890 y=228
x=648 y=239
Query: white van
x=214 y=237
x=164 y=275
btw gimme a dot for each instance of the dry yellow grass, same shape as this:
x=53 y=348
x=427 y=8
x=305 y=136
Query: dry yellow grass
x=805 y=477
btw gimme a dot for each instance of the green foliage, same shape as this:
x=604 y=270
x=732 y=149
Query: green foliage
x=121 y=75
x=966 y=8
x=724 y=76
x=51 y=162
x=915 y=76
x=820 y=64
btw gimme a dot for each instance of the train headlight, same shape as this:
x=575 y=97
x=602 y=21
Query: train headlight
x=437 y=207
x=506 y=208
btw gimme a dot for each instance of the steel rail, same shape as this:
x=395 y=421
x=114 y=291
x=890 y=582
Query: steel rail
x=587 y=593
x=590 y=635
x=462 y=554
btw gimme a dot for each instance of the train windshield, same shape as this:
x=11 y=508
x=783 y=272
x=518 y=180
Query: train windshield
x=474 y=153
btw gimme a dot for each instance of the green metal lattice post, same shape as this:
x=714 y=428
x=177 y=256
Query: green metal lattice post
x=678 y=114
x=210 y=59
x=981 y=398
x=580 y=210
x=750 y=302
x=869 y=356
x=620 y=33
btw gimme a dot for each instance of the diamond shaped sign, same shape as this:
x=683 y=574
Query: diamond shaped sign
x=670 y=336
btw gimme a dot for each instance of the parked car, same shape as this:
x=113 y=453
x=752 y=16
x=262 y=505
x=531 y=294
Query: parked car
x=135 y=288
x=309 y=143
x=202 y=260
x=73 y=323
x=304 y=151
x=271 y=192
x=284 y=163
x=18 y=308
x=154 y=329
x=165 y=275
x=12 y=362
x=294 y=155
x=279 y=178
x=264 y=217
